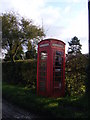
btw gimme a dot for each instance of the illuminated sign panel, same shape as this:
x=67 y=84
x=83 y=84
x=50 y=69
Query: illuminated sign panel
x=44 y=45
x=58 y=45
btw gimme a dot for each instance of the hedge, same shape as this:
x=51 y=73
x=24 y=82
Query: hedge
x=25 y=72
x=20 y=72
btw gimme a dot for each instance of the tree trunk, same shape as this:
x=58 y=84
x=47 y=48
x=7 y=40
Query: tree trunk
x=12 y=58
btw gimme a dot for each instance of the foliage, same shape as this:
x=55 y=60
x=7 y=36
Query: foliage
x=31 y=53
x=76 y=74
x=17 y=32
x=20 y=72
x=74 y=46
x=18 y=56
x=67 y=107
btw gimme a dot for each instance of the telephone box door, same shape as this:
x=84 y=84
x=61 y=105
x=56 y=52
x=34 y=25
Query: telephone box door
x=43 y=71
x=57 y=71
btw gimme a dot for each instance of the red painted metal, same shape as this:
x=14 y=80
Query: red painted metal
x=51 y=68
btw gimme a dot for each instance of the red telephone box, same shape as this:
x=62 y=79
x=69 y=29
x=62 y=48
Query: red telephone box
x=51 y=68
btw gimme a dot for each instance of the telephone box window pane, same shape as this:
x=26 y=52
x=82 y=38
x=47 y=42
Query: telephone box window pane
x=43 y=66
x=58 y=74
x=42 y=73
x=42 y=89
x=42 y=86
x=43 y=63
x=59 y=53
x=42 y=78
x=57 y=78
x=43 y=55
x=57 y=70
x=58 y=60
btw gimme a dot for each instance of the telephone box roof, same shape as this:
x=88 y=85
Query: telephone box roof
x=51 y=39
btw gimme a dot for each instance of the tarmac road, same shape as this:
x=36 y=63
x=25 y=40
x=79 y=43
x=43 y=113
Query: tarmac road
x=11 y=112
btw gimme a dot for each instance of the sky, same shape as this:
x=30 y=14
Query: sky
x=61 y=19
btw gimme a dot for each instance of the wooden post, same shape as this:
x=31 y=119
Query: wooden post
x=89 y=24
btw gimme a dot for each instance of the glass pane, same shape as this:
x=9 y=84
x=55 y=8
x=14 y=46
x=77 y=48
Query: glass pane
x=57 y=78
x=43 y=55
x=57 y=70
x=42 y=84
x=42 y=78
x=58 y=60
x=42 y=73
x=43 y=65
x=42 y=89
x=59 y=53
x=57 y=73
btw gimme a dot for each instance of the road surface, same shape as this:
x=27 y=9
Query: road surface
x=12 y=112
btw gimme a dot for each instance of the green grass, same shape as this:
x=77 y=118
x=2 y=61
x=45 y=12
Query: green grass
x=67 y=107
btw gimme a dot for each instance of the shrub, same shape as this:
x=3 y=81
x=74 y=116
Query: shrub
x=76 y=75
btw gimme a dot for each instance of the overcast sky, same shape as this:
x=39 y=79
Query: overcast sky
x=61 y=19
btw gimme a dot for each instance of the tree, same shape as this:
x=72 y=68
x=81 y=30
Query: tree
x=74 y=46
x=18 y=56
x=31 y=51
x=16 y=33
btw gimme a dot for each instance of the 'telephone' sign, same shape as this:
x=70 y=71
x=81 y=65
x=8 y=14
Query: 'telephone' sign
x=44 y=45
x=58 y=45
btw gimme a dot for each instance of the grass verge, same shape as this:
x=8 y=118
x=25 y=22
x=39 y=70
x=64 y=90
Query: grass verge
x=67 y=107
